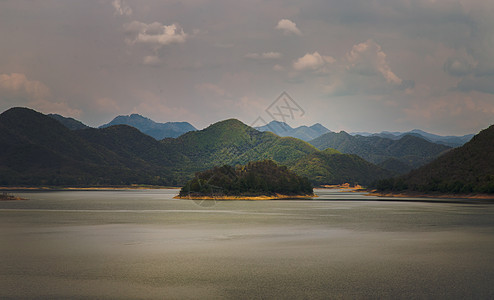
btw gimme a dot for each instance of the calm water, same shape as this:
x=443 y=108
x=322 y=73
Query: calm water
x=144 y=244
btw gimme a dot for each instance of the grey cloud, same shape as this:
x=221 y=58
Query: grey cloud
x=121 y=8
x=457 y=67
x=484 y=84
x=155 y=33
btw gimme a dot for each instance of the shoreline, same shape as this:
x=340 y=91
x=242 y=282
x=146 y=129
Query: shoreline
x=262 y=197
x=431 y=196
x=107 y=188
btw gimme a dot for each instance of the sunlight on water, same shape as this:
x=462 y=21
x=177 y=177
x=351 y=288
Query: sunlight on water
x=145 y=244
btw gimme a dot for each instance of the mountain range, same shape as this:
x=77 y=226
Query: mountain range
x=35 y=149
x=452 y=141
x=158 y=131
x=467 y=169
x=38 y=150
x=398 y=155
x=304 y=133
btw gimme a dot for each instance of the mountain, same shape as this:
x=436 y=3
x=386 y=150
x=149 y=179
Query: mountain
x=451 y=141
x=332 y=167
x=70 y=123
x=232 y=142
x=158 y=131
x=36 y=149
x=304 y=133
x=466 y=169
x=408 y=152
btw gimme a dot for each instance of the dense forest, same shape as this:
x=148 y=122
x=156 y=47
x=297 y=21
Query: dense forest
x=38 y=150
x=254 y=179
x=464 y=170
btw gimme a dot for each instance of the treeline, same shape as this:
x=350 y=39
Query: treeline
x=482 y=185
x=255 y=178
x=464 y=170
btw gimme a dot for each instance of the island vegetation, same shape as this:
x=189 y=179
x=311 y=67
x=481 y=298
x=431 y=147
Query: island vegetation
x=255 y=180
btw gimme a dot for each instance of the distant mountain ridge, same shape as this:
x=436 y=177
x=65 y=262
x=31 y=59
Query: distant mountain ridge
x=467 y=169
x=452 y=141
x=158 y=131
x=400 y=155
x=305 y=133
x=37 y=150
x=70 y=123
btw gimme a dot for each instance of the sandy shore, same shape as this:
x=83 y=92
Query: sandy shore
x=437 y=196
x=263 y=197
x=108 y=188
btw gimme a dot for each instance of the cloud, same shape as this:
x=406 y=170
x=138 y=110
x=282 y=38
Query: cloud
x=484 y=84
x=152 y=60
x=211 y=89
x=368 y=59
x=364 y=69
x=106 y=105
x=458 y=67
x=18 y=84
x=264 y=56
x=17 y=90
x=278 y=67
x=288 y=27
x=154 y=34
x=121 y=8
x=314 y=61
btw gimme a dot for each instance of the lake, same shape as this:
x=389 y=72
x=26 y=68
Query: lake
x=143 y=244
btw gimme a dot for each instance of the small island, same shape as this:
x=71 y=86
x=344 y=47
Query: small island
x=261 y=180
x=9 y=197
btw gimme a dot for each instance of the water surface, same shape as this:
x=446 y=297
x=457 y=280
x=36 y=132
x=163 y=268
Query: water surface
x=145 y=244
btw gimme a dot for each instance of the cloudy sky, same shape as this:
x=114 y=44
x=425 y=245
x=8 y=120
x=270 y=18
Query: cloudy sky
x=354 y=65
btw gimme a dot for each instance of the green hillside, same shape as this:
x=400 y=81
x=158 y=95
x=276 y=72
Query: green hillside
x=232 y=142
x=35 y=150
x=467 y=169
x=399 y=156
x=332 y=167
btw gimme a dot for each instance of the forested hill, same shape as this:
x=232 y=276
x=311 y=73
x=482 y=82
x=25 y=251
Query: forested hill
x=35 y=149
x=232 y=142
x=467 y=169
x=400 y=155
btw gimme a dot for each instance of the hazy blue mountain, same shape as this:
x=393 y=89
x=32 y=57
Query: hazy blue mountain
x=158 y=131
x=452 y=141
x=305 y=133
x=70 y=123
x=411 y=151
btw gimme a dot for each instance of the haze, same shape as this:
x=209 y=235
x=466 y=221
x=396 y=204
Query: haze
x=350 y=65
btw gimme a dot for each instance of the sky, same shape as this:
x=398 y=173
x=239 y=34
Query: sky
x=353 y=65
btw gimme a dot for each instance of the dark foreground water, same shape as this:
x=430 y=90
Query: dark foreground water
x=144 y=244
